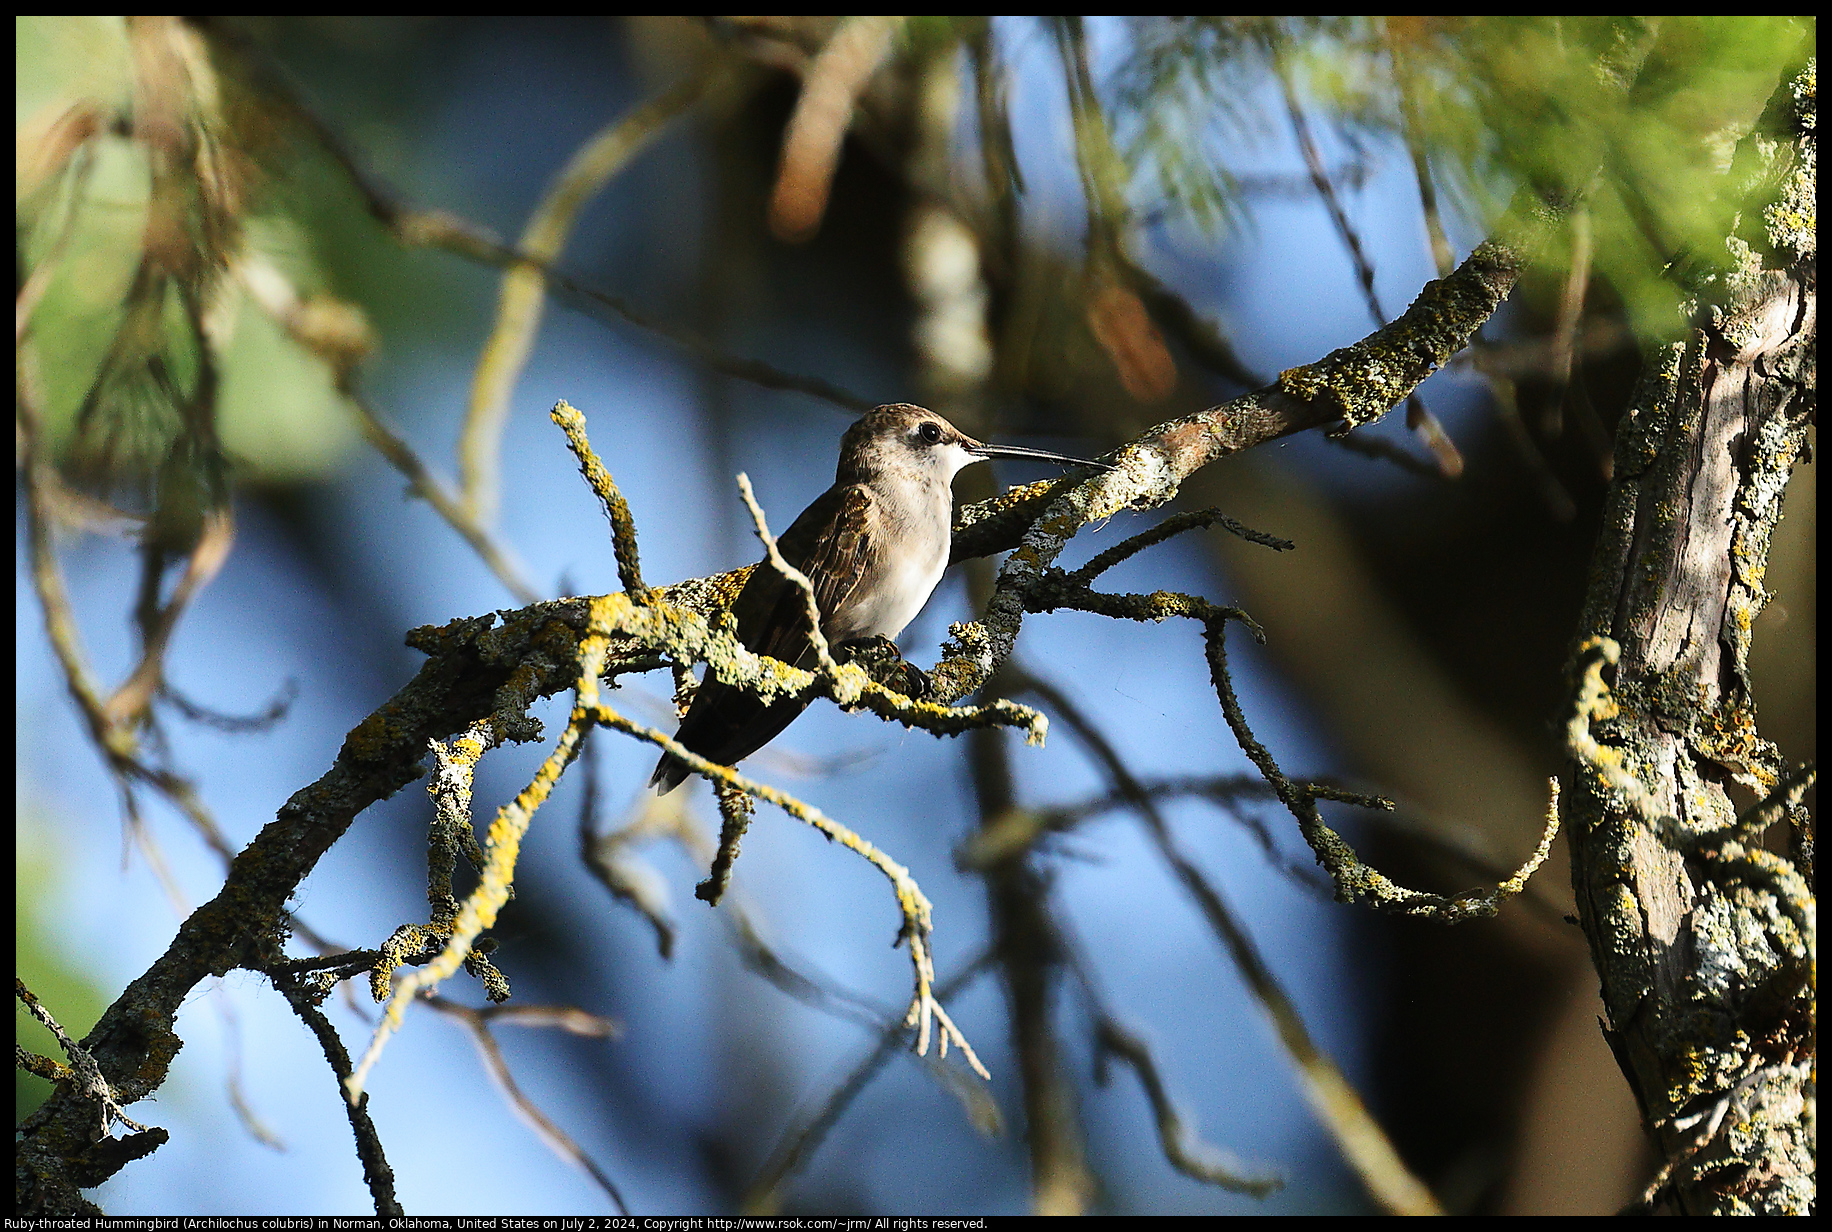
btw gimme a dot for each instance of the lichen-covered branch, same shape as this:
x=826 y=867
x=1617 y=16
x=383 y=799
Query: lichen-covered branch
x=925 y=1012
x=1705 y=942
x=616 y=508
x=492 y=668
x=1354 y=880
x=479 y=909
x=1349 y=387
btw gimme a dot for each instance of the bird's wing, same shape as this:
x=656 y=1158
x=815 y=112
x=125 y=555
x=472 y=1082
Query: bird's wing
x=831 y=542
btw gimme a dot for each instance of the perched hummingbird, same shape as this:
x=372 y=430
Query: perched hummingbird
x=874 y=545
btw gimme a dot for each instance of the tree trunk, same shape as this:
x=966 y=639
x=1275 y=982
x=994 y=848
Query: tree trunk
x=1704 y=940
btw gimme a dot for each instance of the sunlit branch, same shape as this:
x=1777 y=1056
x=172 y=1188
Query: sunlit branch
x=523 y=294
x=1355 y=385
x=616 y=508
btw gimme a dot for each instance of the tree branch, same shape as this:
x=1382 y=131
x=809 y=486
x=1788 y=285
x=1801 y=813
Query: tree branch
x=1705 y=943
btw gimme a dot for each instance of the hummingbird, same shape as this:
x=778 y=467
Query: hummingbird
x=874 y=545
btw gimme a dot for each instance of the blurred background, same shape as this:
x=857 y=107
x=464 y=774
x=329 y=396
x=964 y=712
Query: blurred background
x=264 y=318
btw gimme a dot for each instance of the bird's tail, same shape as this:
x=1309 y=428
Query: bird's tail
x=670 y=772
x=724 y=725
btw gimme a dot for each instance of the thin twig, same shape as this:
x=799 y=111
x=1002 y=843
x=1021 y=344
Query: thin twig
x=523 y=295
x=925 y=1012
x=1026 y=940
x=114 y=735
x=376 y=1172
x=1176 y=524
x=663 y=816
x=795 y=576
x=1177 y=1138
x=1547 y=486
x=477 y=1025
x=1410 y=128
x=268 y=717
x=36 y=283
x=1364 y=1143
x=1418 y=417
x=616 y=508
x=801 y=1139
x=1374 y=447
x=608 y=857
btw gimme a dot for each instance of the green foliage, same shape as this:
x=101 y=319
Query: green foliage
x=145 y=355
x=1635 y=118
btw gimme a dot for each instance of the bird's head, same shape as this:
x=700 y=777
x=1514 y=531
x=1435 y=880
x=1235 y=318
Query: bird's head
x=908 y=438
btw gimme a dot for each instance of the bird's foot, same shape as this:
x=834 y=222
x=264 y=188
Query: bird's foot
x=884 y=663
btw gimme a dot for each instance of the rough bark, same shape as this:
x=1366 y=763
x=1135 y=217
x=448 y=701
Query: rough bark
x=1704 y=941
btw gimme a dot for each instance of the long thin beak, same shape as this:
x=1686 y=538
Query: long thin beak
x=1035 y=455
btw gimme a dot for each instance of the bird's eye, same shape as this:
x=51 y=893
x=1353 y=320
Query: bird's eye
x=930 y=432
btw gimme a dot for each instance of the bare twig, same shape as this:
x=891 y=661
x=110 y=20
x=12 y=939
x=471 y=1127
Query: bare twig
x=1363 y=1142
x=1550 y=489
x=112 y=732
x=476 y=1023
x=1178 y=1139
x=268 y=717
x=69 y=137
x=1418 y=418
x=157 y=621
x=519 y=303
x=801 y=1139
x=1410 y=126
x=1176 y=524
x=1356 y=881
x=795 y=576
